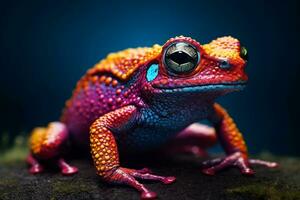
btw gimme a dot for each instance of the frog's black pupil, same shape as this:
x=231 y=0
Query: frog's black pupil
x=180 y=57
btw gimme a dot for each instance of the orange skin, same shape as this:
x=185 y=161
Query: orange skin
x=149 y=96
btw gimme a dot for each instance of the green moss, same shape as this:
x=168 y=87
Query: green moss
x=16 y=153
x=265 y=191
x=60 y=187
x=4 y=140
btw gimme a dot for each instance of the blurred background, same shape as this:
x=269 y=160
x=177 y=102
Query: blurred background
x=46 y=46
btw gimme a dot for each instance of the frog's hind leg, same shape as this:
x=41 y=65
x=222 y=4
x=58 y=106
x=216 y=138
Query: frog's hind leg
x=193 y=139
x=46 y=144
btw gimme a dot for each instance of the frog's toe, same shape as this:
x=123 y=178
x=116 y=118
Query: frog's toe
x=263 y=163
x=65 y=168
x=150 y=176
x=36 y=169
x=148 y=195
x=208 y=171
x=69 y=170
x=169 y=180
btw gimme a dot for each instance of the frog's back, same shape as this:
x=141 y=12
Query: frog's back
x=107 y=86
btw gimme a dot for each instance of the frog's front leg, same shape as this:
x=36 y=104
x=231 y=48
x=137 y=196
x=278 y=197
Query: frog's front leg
x=234 y=145
x=105 y=152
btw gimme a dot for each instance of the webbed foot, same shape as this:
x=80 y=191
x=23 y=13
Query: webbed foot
x=236 y=159
x=128 y=176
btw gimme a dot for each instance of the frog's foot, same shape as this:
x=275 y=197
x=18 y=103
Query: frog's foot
x=236 y=159
x=65 y=168
x=128 y=176
x=35 y=166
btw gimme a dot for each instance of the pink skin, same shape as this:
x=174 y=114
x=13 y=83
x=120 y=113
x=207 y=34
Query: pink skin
x=65 y=168
x=127 y=176
x=57 y=134
x=36 y=167
x=236 y=160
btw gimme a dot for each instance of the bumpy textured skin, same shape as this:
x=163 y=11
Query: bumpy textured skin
x=115 y=108
x=45 y=141
x=47 y=144
x=230 y=134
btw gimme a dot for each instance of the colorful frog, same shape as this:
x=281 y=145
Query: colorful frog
x=139 y=99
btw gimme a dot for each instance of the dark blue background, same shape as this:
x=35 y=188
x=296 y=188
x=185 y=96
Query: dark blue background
x=46 y=47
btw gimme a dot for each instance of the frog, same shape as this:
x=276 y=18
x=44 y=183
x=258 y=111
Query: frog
x=142 y=98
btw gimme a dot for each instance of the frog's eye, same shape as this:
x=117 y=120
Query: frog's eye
x=181 y=58
x=244 y=53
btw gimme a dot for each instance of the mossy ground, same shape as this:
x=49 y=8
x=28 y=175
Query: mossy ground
x=263 y=191
x=270 y=184
x=15 y=153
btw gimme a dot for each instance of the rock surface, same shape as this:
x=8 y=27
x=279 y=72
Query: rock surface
x=280 y=183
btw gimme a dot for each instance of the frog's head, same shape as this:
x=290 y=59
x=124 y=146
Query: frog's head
x=184 y=65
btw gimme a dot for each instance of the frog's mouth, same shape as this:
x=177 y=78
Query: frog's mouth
x=226 y=87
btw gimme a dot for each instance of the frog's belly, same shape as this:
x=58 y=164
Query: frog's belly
x=144 y=139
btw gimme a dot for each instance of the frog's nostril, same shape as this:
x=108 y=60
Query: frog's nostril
x=244 y=53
